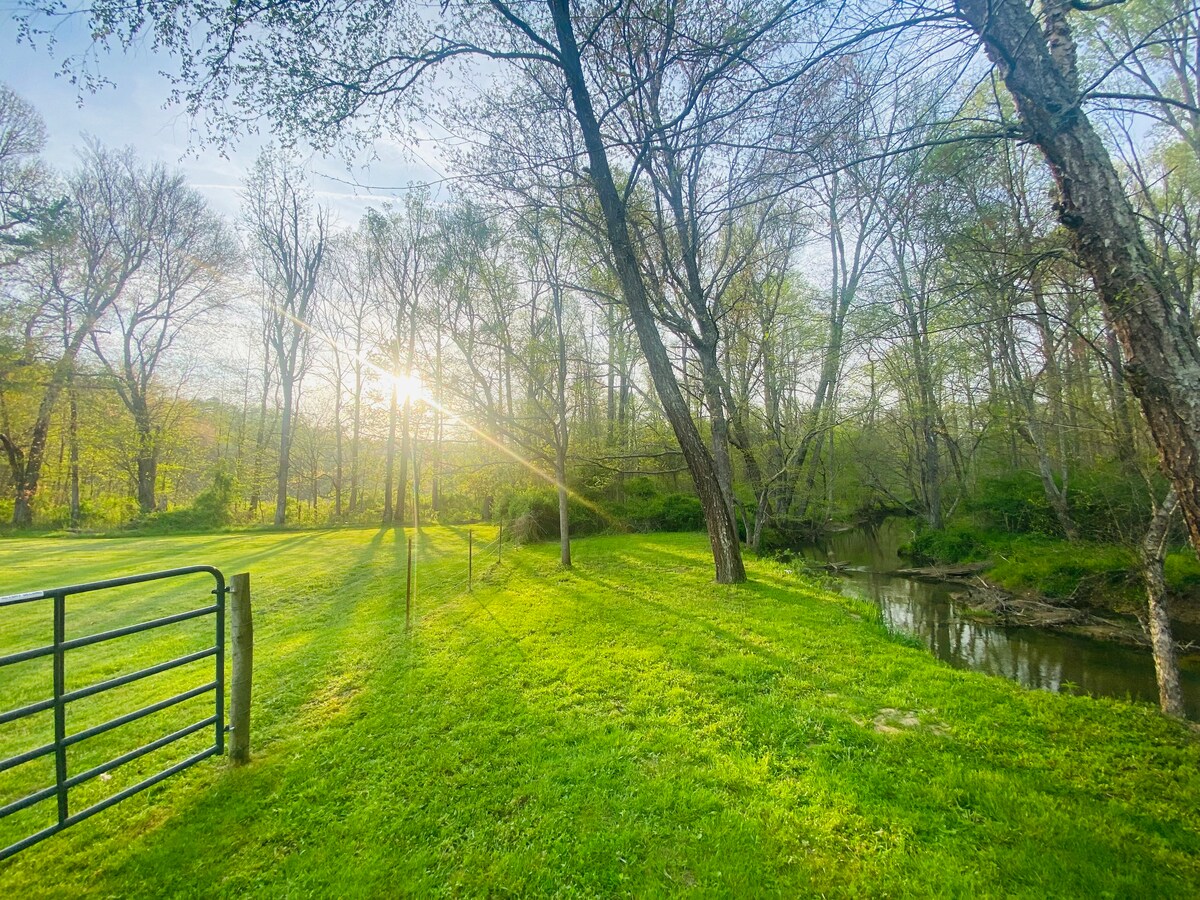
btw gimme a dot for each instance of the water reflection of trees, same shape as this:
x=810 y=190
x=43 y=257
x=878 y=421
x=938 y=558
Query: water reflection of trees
x=1032 y=658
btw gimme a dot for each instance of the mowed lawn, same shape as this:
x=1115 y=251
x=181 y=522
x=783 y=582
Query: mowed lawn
x=627 y=728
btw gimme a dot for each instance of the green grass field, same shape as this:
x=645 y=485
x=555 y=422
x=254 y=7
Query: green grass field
x=626 y=728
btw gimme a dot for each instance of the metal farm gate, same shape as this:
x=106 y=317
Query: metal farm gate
x=60 y=698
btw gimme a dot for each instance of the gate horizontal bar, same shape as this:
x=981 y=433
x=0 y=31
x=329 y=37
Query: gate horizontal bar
x=138 y=714
x=75 y=780
x=158 y=744
x=28 y=597
x=27 y=756
x=134 y=676
x=28 y=800
x=141 y=626
x=105 y=803
x=136 y=579
x=22 y=711
x=26 y=654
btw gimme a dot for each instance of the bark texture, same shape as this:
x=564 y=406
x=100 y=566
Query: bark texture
x=1166 y=666
x=1162 y=359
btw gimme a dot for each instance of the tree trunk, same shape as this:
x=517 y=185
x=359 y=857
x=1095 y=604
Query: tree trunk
x=285 y=449
x=562 y=433
x=714 y=399
x=610 y=408
x=435 y=487
x=1126 y=437
x=564 y=514
x=411 y=439
x=389 y=473
x=1034 y=432
x=73 y=453
x=1162 y=356
x=338 y=452
x=354 y=438
x=26 y=465
x=722 y=530
x=405 y=450
x=147 y=461
x=260 y=440
x=1166 y=667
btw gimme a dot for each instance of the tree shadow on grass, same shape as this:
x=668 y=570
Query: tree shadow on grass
x=465 y=786
x=296 y=666
x=583 y=736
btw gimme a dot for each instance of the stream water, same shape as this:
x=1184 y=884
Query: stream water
x=1034 y=657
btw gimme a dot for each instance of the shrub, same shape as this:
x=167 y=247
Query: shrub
x=1108 y=505
x=532 y=515
x=1015 y=503
x=681 y=512
x=212 y=508
x=640 y=488
x=1081 y=571
x=669 y=512
x=456 y=509
x=1105 y=504
x=1182 y=571
x=214 y=505
x=950 y=545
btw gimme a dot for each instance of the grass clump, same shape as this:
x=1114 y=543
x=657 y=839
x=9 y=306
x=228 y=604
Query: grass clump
x=955 y=544
x=625 y=728
x=1065 y=571
x=1088 y=572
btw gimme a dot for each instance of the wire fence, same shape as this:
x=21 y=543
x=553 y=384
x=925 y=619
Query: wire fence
x=458 y=580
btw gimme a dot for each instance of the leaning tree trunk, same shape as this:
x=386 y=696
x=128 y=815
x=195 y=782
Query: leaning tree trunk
x=1166 y=666
x=1162 y=356
x=26 y=466
x=722 y=529
x=562 y=435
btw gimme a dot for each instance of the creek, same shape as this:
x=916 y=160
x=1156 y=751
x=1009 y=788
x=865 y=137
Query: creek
x=1042 y=658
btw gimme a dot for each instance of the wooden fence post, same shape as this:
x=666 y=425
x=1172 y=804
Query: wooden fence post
x=470 y=558
x=242 y=637
x=408 y=590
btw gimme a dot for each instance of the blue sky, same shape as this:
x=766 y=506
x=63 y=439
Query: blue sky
x=134 y=113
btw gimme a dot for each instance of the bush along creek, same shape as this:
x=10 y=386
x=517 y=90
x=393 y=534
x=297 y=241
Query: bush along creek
x=1047 y=613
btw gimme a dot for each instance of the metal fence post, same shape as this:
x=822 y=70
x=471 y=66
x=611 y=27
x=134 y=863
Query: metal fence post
x=408 y=590
x=242 y=638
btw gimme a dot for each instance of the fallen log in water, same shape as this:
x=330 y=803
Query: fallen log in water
x=942 y=573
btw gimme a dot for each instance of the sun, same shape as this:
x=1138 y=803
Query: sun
x=409 y=388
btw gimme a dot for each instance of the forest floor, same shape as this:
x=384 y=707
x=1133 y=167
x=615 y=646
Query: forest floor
x=626 y=728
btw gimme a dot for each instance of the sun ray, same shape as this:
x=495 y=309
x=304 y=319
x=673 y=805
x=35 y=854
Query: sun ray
x=412 y=386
